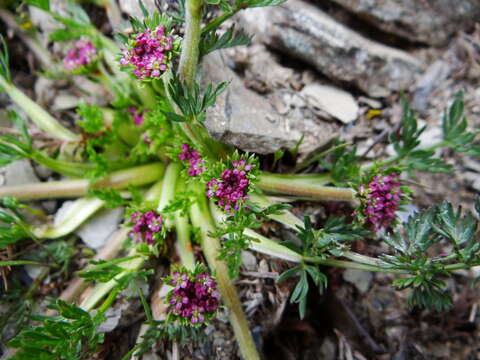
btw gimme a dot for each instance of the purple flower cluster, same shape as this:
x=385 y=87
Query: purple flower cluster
x=231 y=189
x=82 y=53
x=147 y=226
x=148 y=54
x=194 y=160
x=381 y=198
x=137 y=115
x=194 y=298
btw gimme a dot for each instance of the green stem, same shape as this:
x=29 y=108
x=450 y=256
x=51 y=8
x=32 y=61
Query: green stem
x=80 y=210
x=37 y=114
x=137 y=176
x=191 y=41
x=278 y=185
x=66 y=168
x=168 y=189
x=201 y=218
x=183 y=244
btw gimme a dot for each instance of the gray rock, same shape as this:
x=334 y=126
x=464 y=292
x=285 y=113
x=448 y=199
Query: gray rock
x=304 y=31
x=241 y=117
x=98 y=229
x=435 y=75
x=252 y=122
x=20 y=172
x=432 y=22
x=249 y=261
x=361 y=279
x=132 y=8
x=335 y=102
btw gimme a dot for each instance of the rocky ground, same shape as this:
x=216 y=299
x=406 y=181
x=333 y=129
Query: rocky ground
x=321 y=70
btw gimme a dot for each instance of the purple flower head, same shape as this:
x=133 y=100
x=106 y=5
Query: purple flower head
x=194 y=160
x=380 y=200
x=231 y=189
x=137 y=115
x=82 y=53
x=146 y=226
x=148 y=53
x=194 y=298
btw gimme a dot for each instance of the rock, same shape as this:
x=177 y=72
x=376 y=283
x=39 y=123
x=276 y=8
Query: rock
x=431 y=22
x=361 y=279
x=132 y=8
x=98 y=229
x=335 y=102
x=65 y=101
x=304 y=31
x=112 y=318
x=253 y=122
x=241 y=117
x=20 y=172
x=327 y=350
x=435 y=75
x=249 y=261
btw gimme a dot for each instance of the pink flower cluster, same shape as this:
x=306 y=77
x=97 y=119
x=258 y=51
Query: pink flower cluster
x=82 y=53
x=381 y=200
x=147 y=226
x=137 y=115
x=194 y=160
x=194 y=298
x=231 y=189
x=148 y=54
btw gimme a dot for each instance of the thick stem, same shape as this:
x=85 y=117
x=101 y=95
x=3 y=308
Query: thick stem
x=80 y=210
x=183 y=244
x=200 y=216
x=137 y=176
x=191 y=41
x=168 y=190
x=37 y=114
x=285 y=186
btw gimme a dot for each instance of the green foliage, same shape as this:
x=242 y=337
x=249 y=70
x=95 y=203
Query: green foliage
x=258 y=3
x=330 y=241
x=211 y=41
x=4 y=60
x=455 y=131
x=413 y=254
x=299 y=294
x=70 y=335
x=104 y=271
x=13 y=227
x=459 y=230
x=42 y=4
x=190 y=100
x=343 y=165
x=406 y=146
x=92 y=118
x=234 y=240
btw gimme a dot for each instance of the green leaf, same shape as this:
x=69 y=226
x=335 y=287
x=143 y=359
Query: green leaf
x=21 y=262
x=4 y=60
x=211 y=41
x=289 y=273
x=173 y=117
x=42 y=4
